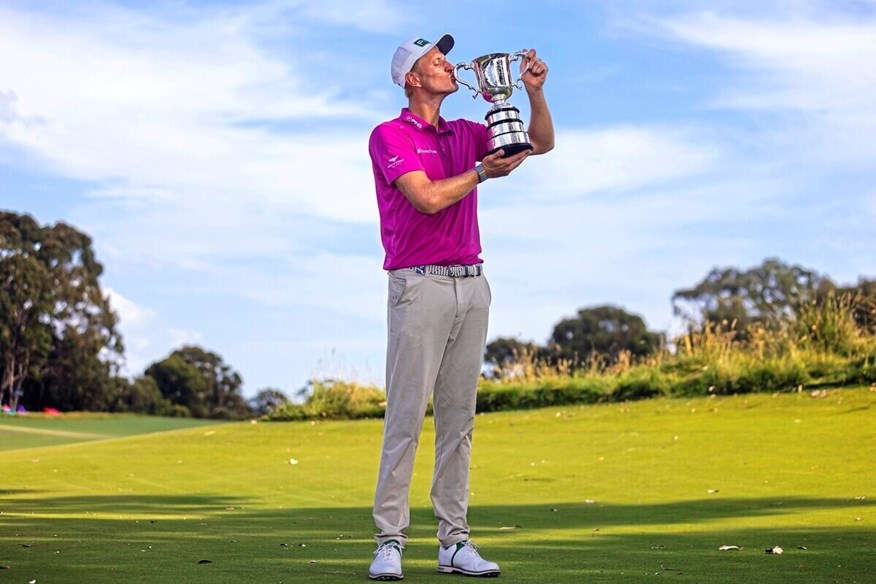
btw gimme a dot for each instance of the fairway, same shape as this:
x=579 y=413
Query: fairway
x=616 y=493
x=32 y=430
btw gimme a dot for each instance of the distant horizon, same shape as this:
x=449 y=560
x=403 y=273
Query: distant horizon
x=217 y=154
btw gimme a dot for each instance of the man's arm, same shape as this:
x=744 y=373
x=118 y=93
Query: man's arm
x=541 y=126
x=430 y=196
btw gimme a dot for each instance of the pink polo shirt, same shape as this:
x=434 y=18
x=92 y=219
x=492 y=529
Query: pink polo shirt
x=411 y=238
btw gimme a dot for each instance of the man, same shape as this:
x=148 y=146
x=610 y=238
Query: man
x=426 y=173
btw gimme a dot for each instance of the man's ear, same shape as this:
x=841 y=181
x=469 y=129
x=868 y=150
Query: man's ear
x=412 y=79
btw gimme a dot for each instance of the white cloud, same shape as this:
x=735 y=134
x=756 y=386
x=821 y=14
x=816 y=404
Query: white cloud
x=176 y=113
x=615 y=159
x=813 y=65
x=128 y=311
x=137 y=325
x=802 y=63
x=10 y=116
x=146 y=334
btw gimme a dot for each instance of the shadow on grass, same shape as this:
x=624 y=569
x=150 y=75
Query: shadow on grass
x=203 y=538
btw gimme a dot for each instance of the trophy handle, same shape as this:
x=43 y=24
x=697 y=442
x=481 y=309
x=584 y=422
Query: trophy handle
x=519 y=55
x=456 y=74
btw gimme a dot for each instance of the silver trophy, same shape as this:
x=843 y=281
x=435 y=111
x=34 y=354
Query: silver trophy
x=495 y=82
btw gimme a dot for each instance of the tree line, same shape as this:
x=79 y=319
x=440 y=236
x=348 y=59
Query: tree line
x=61 y=348
x=728 y=299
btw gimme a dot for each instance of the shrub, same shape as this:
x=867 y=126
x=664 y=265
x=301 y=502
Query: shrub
x=640 y=383
x=864 y=370
x=177 y=411
x=335 y=400
x=781 y=374
x=828 y=325
x=494 y=396
x=716 y=378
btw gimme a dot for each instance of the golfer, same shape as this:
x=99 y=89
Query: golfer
x=426 y=172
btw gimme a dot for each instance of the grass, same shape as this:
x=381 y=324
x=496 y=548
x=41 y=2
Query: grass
x=622 y=492
x=34 y=430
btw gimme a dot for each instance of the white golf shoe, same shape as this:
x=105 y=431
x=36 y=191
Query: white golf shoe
x=463 y=558
x=387 y=562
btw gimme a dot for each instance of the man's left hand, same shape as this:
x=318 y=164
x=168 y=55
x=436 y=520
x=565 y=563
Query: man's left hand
x=536 y=73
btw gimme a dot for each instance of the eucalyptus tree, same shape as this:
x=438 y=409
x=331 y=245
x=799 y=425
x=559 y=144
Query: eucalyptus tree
x=765 y=294
x=55 y=317
x=25 y=334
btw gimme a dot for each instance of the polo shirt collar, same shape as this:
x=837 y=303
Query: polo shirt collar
x=421 y=124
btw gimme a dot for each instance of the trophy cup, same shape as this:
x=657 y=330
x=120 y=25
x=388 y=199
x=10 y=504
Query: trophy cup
x=494 y=79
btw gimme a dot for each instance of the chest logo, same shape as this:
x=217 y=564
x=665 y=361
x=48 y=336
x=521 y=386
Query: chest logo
x=412 y=120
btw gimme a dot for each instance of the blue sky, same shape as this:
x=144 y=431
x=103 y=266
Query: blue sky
x=217 y=154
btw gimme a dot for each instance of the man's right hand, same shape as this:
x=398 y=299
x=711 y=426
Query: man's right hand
x=497 y=164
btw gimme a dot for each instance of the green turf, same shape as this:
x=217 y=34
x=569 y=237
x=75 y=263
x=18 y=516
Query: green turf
x=619 y=493
x=34 y=430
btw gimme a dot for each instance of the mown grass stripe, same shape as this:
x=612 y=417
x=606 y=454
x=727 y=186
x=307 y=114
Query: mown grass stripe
x=609 y=493
x=59 y=433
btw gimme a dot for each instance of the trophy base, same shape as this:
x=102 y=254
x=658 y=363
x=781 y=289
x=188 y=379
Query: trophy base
x=511 y=149
x=506 y=131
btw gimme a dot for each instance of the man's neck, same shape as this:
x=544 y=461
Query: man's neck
x=428 y=110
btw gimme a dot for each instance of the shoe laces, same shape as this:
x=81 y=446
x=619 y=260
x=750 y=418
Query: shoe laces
x=385 y=551
x=471 y=547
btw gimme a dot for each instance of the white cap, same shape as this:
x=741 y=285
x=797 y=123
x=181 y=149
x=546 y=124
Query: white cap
x=408 y=52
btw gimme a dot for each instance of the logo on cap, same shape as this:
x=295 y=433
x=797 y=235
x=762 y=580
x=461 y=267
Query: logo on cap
x=421 y=42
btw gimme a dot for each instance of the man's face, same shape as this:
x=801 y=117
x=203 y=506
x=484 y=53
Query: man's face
x=435 y=72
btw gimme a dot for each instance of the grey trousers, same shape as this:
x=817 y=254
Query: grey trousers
x=437 y=329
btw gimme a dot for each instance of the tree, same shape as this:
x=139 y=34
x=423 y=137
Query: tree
x=267 y=401
x=606 y=330
x=181 y=383
x=506 y=350
x=51 y=280
x=142 y=396
x=863 y=301
x=765 y=295
x=25 y=337
x=201 y=381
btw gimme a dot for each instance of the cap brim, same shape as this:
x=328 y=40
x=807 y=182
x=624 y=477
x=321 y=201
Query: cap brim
x=445 y=43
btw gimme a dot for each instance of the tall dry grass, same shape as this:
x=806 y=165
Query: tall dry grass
x=822 y=345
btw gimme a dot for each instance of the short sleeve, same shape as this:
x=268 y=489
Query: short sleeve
x=392 y=151
x=481 y=135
